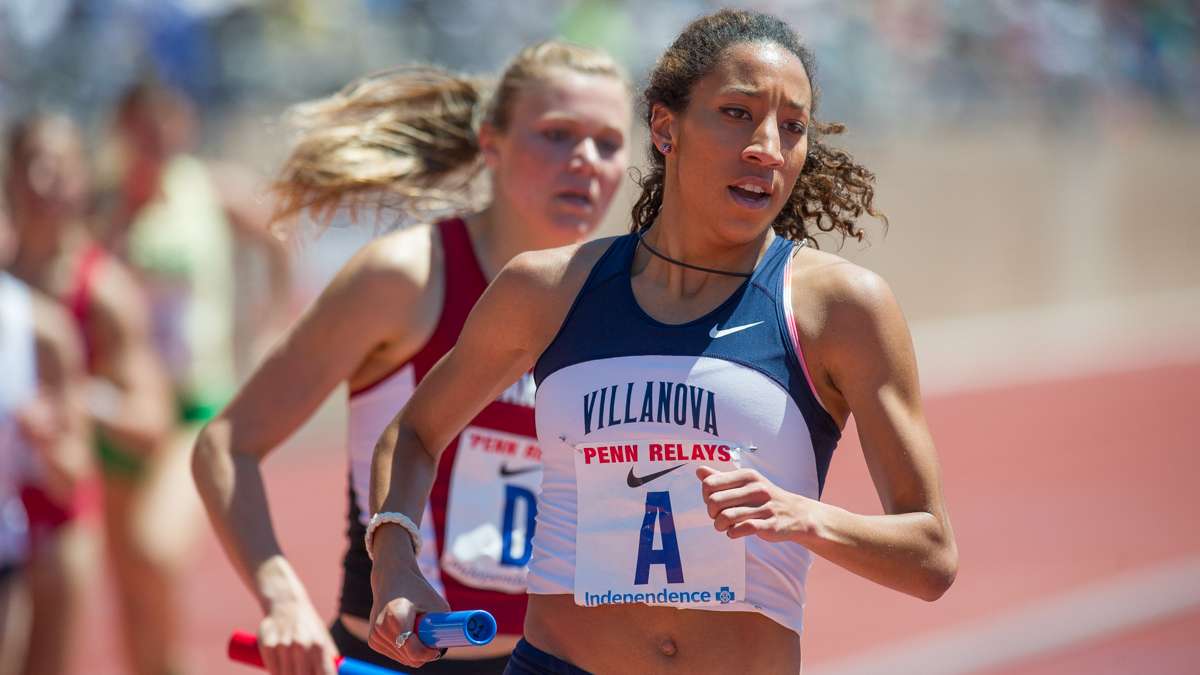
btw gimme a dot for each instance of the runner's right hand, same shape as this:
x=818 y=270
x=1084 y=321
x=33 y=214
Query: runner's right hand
x=401 y=593
x=293 y=640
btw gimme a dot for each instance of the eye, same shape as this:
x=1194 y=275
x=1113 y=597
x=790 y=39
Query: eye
x=798 y=128
x=736 y=113
x=608 y=146
x=555 y=135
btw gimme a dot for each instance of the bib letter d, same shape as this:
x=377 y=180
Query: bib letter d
x=658 y=510
x=512 y=495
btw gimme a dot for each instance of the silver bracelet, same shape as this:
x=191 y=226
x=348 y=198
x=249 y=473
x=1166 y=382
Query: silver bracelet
x=396 y=518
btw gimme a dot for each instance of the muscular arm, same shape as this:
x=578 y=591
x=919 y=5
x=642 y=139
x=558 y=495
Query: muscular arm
x=507 y=330
x=376 y=300
x=867 y=355
x=129 y=397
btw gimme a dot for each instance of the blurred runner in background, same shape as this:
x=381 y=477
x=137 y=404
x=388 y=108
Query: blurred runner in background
x=47 y=186
x=553 y=135
x=172 y=219
x=43 y=434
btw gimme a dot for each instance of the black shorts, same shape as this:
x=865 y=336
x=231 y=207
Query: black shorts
x=350 y=646
x=7 y=570
x=529 y=660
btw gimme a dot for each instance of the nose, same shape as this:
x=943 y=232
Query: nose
x=764 y=148
x=584 y=157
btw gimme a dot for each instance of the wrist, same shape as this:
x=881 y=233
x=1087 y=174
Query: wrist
x=811 y=521
x=384 y=519
x=392 y=548
x=276 y=583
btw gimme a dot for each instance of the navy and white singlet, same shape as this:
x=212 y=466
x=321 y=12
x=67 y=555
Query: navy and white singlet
x=628 y=407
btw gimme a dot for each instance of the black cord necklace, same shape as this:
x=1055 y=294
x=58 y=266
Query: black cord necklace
x=642 y=241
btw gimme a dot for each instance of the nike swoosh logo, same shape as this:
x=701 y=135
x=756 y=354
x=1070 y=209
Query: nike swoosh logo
x=717 y=332
x=505 y=471
x=636 y=481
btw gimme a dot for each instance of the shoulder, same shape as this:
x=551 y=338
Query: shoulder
x=556 y=271
x=838 y=286
x=843 y=307
x=398 y=264
x=536 y=289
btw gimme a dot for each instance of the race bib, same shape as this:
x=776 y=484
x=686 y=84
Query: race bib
x=492 y=508
x=643 y=532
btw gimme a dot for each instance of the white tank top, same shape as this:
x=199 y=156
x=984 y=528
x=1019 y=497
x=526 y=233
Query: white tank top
x=18 y=362
x=368 y=414
x=628 y=408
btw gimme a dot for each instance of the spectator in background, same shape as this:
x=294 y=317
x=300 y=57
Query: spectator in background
x=48 y=186
x=175 y=221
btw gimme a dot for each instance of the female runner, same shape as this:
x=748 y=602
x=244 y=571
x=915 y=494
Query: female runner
x=693 y=377
x=43 y=431
x=48 y=187
x=553 y=138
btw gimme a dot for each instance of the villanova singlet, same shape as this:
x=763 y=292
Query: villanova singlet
x=628 y=408
x=480 y=518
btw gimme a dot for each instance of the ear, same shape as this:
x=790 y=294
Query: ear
x=489 y=141
x=662 y=126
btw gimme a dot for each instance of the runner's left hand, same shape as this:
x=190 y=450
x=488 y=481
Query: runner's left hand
x=743 y=503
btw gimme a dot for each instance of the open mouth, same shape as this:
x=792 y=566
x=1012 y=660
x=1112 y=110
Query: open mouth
x=575 y=199
x=751 y=194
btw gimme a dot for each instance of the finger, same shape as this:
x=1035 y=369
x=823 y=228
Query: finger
x=268 y=644
x=723 y=480
x=299 y=659
x=399 y=618
x=386 y=629
x=751 y=494
x=748 y=528
x=270 y=657
x=418 y=652
x=329 y=661
x=308 y=658
x=737 y=514
x=283 y=653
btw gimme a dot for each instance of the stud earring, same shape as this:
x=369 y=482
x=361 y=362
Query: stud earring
x=666 y=148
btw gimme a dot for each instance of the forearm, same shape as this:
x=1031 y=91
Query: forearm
x=910 y=552
x=231 y=487
x=402 y=474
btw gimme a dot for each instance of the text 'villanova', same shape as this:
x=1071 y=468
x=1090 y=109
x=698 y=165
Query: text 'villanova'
x=661 y=402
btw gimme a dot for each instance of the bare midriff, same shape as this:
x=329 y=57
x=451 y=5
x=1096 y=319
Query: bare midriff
x=646 y=639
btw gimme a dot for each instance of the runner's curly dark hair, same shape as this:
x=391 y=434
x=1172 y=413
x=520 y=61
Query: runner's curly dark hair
x=833 y=191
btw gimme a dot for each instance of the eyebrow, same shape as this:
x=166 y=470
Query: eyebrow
x=571 y=119
x=756 y=93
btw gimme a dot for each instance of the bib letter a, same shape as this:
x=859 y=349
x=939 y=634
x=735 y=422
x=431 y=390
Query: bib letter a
x=658 y=510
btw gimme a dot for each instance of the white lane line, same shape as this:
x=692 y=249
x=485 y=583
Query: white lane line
x=1058 y=341
x=1111 y=606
